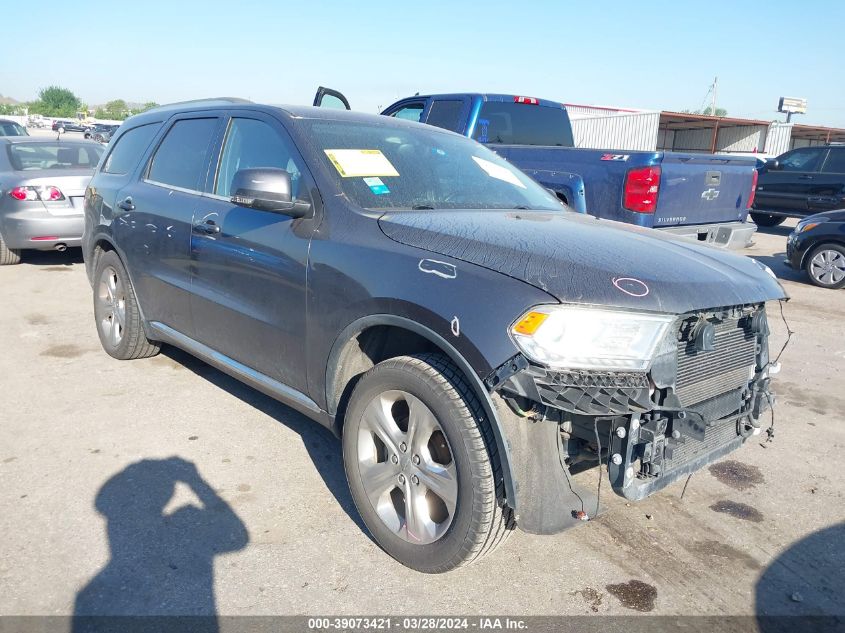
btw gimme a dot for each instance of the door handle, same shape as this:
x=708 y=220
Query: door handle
x=126 y=204
x=805 y=177
x=209 y=227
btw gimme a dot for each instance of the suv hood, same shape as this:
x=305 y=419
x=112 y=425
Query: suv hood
x=580 y=259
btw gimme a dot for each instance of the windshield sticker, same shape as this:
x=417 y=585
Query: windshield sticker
x=354 y=163
x=376 y=185
x=498 y=172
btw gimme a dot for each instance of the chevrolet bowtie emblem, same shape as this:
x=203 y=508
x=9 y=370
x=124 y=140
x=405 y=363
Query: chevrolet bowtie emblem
x=710 y=194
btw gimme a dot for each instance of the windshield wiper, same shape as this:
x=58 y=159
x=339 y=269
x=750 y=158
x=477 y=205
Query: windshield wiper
x=421 y=207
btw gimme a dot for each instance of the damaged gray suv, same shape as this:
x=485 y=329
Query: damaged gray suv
x=466 y=335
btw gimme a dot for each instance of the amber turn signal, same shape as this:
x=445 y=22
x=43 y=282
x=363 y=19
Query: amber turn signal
x=530 y=323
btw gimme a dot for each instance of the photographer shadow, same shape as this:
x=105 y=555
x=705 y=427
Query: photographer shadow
x=162 y=559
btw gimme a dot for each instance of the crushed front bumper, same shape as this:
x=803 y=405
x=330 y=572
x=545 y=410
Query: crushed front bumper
x=691 y=408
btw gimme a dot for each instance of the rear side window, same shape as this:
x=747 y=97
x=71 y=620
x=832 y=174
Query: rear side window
x=446 y=114
x=180 y=160
x=522 y=124
x=125 y=154
x=835 y=163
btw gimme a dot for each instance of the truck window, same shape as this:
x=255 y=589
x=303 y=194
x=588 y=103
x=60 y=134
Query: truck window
x=446 y=113
x=409 y=112
x=522 y=124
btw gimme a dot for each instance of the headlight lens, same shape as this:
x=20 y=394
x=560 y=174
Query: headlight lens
x=570 y=337
x=806 y=226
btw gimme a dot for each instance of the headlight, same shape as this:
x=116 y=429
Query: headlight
x=804 y=225
x=569 y=337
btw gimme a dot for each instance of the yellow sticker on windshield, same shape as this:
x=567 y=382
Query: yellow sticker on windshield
x=358 y=163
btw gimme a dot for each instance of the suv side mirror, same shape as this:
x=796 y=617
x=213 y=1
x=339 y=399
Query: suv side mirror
x=773 y=164
x=267 y=189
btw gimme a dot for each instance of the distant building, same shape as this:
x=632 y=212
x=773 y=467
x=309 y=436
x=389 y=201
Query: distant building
x=604 y=127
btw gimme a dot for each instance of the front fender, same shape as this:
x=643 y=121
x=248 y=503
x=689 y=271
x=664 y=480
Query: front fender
x=447 y=348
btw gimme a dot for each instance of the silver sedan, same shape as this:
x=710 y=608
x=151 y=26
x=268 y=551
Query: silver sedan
x=42 y=186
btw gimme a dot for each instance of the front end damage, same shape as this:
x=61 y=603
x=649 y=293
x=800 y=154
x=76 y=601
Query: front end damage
x=704 y=394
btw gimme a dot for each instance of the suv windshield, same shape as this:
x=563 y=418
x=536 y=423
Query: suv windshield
x=418 y=167
x=28 y=156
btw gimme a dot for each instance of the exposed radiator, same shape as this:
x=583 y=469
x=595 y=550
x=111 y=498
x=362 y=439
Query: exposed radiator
x=703 y=375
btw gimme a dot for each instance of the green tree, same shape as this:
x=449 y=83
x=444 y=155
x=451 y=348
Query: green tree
x=116 y=109
x=708 y=111
x=56 y=101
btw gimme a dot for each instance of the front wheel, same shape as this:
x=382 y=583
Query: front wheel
x=116 y=312
x=765 y=219
x=422 y=464
x=826 y=266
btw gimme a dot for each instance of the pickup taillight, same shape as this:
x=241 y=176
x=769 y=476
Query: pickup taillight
x=753 y=189
x=642 y=185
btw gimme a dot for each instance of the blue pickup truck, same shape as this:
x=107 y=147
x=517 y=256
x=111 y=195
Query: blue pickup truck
x=702 y=196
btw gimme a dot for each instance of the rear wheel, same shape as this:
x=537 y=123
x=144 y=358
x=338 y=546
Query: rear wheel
x=422 y=465
x=8 y=255
x=116 y=312
x=826 y=266
x=765 y=219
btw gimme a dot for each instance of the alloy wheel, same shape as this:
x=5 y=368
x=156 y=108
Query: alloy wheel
x=407 y=468
x=111 y=297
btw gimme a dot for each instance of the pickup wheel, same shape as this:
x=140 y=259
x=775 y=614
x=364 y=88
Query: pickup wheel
x=764 y=219
x=8 y=255
x=826 y=266
x=422 y=464
x=116 y=312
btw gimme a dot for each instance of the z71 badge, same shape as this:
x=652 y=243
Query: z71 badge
x=615 y=156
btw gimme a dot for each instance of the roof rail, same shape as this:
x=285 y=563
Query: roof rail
x=210 y=101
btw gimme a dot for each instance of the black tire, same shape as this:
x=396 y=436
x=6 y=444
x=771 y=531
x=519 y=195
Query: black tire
x=132 y=342
x=9 y=256
x=481 y=522
x=837 y=257
x=765 y=219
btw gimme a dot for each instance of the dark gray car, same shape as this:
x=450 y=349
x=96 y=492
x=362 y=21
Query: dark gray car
x=468 y=337
x=42 y=184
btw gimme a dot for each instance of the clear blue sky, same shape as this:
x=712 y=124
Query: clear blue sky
x=660 y=55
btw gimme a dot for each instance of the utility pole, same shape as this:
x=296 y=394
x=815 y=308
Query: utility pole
x=715 y=86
